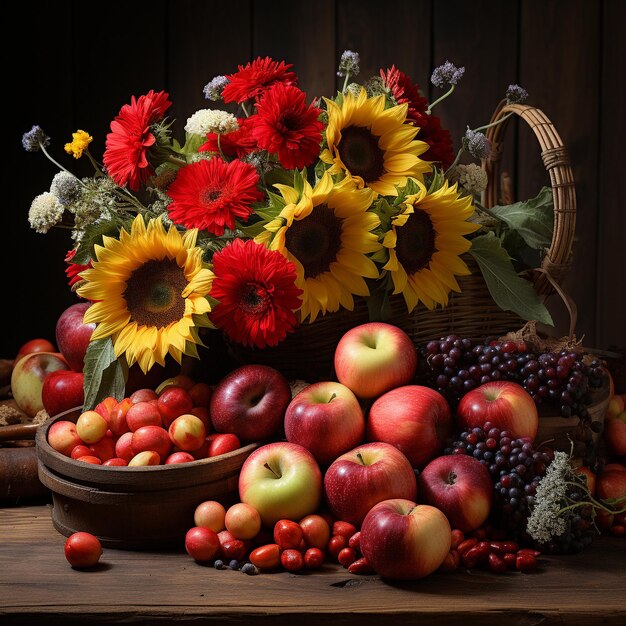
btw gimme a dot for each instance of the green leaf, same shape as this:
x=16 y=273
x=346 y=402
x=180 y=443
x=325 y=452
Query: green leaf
x=105 y=374
x=278 y=175
x=436 y=181
x=93 y=236
x=253 y=229
x=533 y=219
x=509 y=291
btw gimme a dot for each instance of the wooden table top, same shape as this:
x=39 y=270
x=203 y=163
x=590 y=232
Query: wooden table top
x=37 y=586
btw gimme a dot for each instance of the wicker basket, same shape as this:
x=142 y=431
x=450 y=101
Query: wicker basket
x=308 y=353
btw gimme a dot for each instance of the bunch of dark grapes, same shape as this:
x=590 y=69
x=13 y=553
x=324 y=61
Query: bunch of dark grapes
x=454 y=366
x=515 y=466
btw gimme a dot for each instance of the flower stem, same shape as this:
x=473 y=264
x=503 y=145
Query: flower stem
x=243 y=106
x=219 y=146
x=456 y=160
x=345 y=83
x=486 y=126
x=43 y=149
x=432 y=105
x=176 y=161
x=95 y=163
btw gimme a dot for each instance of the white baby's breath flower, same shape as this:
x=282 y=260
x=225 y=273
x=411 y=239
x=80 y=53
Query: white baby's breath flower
x=471 y=177
x=207 y=121
x=45 y=211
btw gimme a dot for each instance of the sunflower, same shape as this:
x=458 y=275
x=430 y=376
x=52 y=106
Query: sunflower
x=424 y=243
x=150 y=288
x=371 y=145
x=325 y=232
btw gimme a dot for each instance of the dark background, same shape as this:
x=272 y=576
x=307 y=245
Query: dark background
x=72 y=65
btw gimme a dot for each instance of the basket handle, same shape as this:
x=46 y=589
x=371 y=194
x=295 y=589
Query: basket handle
x=557 y=259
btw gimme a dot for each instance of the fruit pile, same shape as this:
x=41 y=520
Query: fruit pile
x=375 y=472
x=454 y=366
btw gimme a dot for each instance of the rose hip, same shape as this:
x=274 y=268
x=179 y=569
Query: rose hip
x=344 y=529
x=502 y=547
x=355 y=541
x=476 y=555
x=509 y=560
x=287 y=534
x=496 y=564
x=313 y=558
x=529 y=551
x=525 y=562
x=451 y=562
x=292 y=560
x=467 y=545
x=457 y=538
x=266 y=557
x=361 y=566
x=234 y=550
x=336 y=545
x=346 y=556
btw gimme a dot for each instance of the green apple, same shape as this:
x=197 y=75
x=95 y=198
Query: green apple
x=281 y=481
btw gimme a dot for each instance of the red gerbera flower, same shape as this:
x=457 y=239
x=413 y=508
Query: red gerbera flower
x=288 y=127
x=210 y=195
x=254 y=78
x=238 y=143
x=257 y=294
x=438 y=138
x=73 y=270
x=127 y=145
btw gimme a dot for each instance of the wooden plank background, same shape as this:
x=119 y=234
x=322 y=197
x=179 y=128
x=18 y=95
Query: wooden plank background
x=77 y=64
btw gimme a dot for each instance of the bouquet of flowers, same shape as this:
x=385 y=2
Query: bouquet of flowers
x=271 y=218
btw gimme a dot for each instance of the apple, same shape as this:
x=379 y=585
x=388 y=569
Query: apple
x=91 y=427
x=210 y=514
x=461 y=487
x=82 y=550
x=105 y=407
x=103 y=449
x=152 y=438
x=281 y=481
x=123 y=447
x=62 y=390
x=373 y=358
x=250 y=402
x=117 y=417
x=508 y=406
x=222 y=444
x=62 y=436
x=615 y=433
x=35 y=345
x=28 y=377
x=116 y=462
x=143 y=395
x=403 y=540
x=326 y=418
x=315 y=531
x=365 y=476
x=616 y=406
x=243 y=521
x=414 y=419
x=611 y=484
x=173 y=402
x=73 y=335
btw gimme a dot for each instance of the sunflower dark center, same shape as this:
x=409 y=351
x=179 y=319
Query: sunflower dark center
x=211 y=195
x=315 y=240
x=154 y=293
x=415 y=243
x=254 y=299
x=360 y=153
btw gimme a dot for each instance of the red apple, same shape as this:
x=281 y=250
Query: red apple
x=73 y=335
x=35 y=345
x=105 y=407
x=152 y=438
x=414 y=419
x=179 y=457
x=28 y=377
x=405 y=541
x=103 y=449
x=373 y=358
x=148 y=457
x=611 y=484
x=250 y=402
x=143 y=395
x=365 y=476
x=460 y=486
x=117 y=417
x=62 y=390
x=62 y=436
x=123 y=447
x=202 y=543
x=187 y=432
x=508 y=406
x=615 y=434
x=83 y=550
x=281 y=481
x=326 y=419
x=143 y=414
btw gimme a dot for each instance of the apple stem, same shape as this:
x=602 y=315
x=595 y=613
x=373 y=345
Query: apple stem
x=269 y=467
x=360 y=457
x=332 y=397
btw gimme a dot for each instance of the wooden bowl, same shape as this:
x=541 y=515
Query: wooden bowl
x=133 y=508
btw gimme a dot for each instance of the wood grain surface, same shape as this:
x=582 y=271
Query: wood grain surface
x=37 y=586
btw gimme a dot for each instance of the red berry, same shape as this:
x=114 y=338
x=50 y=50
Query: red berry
x=345 y=529
x=292 y=560
x=266 y=557
x=336 y=545
x=525 y=562
x=361 y=566
x=509 y=560
x=288 y=534
x=496 y=564
x=617 y=530
x=347 y=556
x=313 y=558
x=234 y=550
x=83 y=550
x=451 y=562
x=457 y=538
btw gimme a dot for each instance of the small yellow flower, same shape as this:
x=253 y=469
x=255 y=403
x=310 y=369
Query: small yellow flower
x=80 y=142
